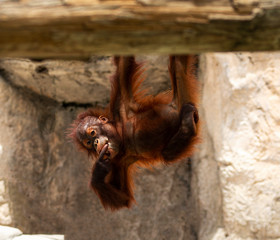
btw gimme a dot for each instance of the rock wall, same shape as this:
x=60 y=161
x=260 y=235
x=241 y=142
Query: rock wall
x=47 y=179
x=240 y=100
x=10 y=233
x=229 y=190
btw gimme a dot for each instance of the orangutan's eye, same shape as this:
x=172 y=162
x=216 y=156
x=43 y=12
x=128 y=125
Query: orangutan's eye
x=87 y=143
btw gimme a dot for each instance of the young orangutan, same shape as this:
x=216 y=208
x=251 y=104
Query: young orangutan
x=136 y=129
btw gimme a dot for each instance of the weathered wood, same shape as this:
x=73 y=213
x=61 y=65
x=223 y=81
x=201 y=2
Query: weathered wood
x=80 y=28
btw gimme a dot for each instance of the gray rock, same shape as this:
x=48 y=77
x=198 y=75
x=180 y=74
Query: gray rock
x=47 y=178
x=229 y=190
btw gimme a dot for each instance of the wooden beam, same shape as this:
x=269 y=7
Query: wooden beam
x=81 y=28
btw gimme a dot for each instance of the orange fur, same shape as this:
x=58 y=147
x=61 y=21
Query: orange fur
x=153 y=130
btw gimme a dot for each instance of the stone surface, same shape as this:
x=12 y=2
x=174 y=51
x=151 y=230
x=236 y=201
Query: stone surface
x=39 y=237
x=80 y=28
x=2 y=191
x=63 y=81
x=74 y=81
x=8 y=233
x=47 y=178
x=241 y=99
x=5 y=215
x=230 y=190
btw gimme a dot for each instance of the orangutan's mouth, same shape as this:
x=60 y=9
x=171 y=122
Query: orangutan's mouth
x=104 y=152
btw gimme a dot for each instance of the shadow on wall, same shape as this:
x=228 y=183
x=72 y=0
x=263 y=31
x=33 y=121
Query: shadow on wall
x=46 y=179
x=229 y=190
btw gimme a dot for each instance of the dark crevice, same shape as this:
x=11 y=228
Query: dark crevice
x=233 y=5
x=189 y=169
x=38 y=59
x=76 y=105
x=42 y=69
x=193 y=231
x=5 y=75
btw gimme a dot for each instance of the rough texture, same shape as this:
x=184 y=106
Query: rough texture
x=241 y=99
x=76 y=82
x=230 y=190
x=81 y=28
x=5 y=214
x=9 y=233
x=47 y=178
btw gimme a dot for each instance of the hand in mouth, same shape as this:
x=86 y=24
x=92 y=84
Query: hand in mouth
x=104 y=153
